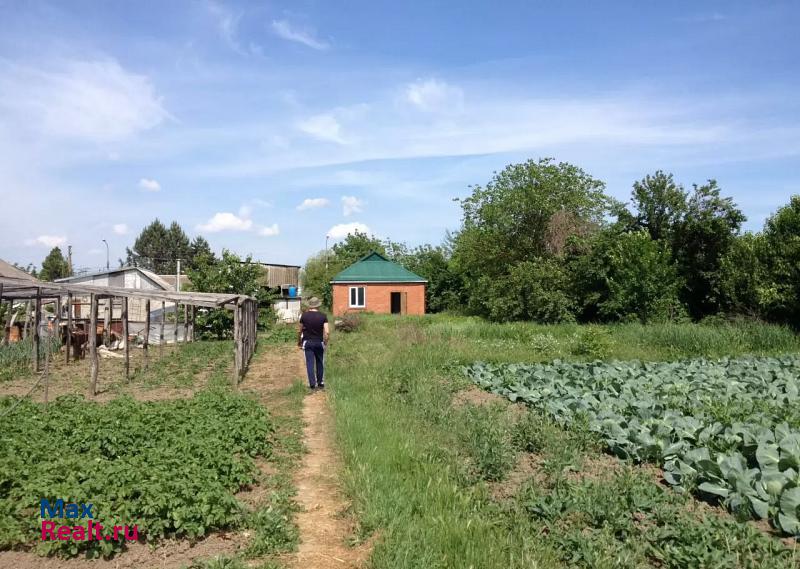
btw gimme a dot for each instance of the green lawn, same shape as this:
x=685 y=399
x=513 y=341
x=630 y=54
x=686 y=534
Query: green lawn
x=436 y=478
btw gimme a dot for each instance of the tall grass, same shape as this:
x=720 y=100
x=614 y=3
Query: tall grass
x=16 y=358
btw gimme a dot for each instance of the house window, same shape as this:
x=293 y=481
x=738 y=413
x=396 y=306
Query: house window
x=358 y=297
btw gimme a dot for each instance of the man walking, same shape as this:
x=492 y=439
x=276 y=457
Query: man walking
x=312 y=339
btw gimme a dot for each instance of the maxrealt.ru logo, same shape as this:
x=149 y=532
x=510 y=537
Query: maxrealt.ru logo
x=52 y=531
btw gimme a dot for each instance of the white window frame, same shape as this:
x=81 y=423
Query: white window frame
x=355 y=304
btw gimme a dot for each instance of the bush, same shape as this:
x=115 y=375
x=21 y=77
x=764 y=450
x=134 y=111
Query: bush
x=348 y=323
x=593 y=342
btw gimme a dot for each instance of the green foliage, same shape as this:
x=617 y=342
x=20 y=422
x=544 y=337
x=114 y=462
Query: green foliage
x=157 y=248
x=642 y=282
x=317 y=274
x=659 y=204
x=54 y=266
x=445 y=289
x=704 y=237
x=593 y=342
x=16 y=358
x=728 y=429
x=355 y=246
x=229 y=274
x=533 y=290
x=170 y=467
x=487 y=436
x=782 y=261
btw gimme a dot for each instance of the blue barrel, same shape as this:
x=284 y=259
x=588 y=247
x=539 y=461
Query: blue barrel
x=292 y=291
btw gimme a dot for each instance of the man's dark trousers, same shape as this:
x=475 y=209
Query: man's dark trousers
x=315 y=353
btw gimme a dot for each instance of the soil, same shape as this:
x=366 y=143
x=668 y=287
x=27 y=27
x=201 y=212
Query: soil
x=324 y=529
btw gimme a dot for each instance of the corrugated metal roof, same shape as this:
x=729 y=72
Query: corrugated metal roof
x=375 y=268
x=148 y=274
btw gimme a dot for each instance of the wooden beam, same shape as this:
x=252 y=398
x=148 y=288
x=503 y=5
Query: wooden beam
x=69 y=327
x=191 y=327
x=57 y=323
x=161 y=334
x=37 y=320
x=125 y=335
x=237 y=342
x=93 y=344
x=27 y=320
x=185 y=323
x=175 y=330
x=7 y=324
x=109 y=307
x=146 y=333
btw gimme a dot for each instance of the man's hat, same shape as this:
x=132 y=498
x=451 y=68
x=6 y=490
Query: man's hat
x=314 y=302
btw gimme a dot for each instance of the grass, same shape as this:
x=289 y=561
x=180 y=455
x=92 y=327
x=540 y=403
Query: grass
x=16 y=358
x=423 y=471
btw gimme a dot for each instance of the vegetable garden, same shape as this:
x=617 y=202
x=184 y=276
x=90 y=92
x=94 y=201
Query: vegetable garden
x=727 y=430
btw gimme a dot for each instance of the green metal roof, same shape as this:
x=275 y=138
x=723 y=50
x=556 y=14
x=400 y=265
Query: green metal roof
x=375 y=268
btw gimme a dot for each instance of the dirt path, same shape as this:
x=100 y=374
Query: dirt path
x=323 y=528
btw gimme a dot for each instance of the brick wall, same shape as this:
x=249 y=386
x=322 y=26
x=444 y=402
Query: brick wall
x=378 y=298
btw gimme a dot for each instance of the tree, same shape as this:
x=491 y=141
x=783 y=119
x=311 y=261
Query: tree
x=525 y=212
x=355 y=246
x=317 y=274
x=54 y=266
x=157 y=248
x=642 y=280
x=445 y=289
x=743 y=281
x=659 y=205
x=781 y=259
x=199 y=248
x=532 y=290
x=702 y=239
x=231 y=275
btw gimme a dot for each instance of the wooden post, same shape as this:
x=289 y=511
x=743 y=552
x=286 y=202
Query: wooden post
x=237 y=341
x=27 y=319
x=175 y=330
x=185 y=323
x=93 y=343
x=37 y=319
x=161 y=335
x=7 y=326
x=191 y=324
x=69 y=327
x=125 y=334
x=146 y=332
x=57 y=321
x=107 y=322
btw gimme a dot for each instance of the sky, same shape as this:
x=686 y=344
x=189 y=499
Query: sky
x=267 y=126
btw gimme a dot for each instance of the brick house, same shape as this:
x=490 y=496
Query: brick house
x=376 y=284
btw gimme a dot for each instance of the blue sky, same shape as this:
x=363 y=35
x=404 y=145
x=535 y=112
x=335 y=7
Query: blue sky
x=265 y=126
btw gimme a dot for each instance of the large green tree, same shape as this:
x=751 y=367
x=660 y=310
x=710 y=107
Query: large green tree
x=781 y=260
x=659 y=205
x=528 y=211
x=54 y=266
x=702 y=239
x=158 y=247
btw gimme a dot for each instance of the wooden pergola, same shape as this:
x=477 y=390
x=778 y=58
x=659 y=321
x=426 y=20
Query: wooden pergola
x=245 y=311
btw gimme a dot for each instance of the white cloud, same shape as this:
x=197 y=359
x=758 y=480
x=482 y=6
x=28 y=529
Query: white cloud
x=225 y=221
x=245 y=211
x=435 y=95
x=307 y=37
x=149 y=185
x=313 y=203
x=120 y=228
x=261 y=203
x=47 y=240
x=269 y=230
x=351 y=205
x=96 y=101
x=323 y=127
x=342 y=230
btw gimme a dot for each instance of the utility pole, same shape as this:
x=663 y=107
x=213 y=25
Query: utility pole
x=69 y=259
x=326 y=251
x=108 y=265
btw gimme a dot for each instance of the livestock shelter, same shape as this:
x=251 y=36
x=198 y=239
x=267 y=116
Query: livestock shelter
x=376 y=284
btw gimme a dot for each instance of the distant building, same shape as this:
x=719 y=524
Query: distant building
x=123 y=277
x=9 y=271
x=376 y=284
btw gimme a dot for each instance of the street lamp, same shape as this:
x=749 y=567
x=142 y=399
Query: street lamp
x=108 y=265
x=326 y=251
